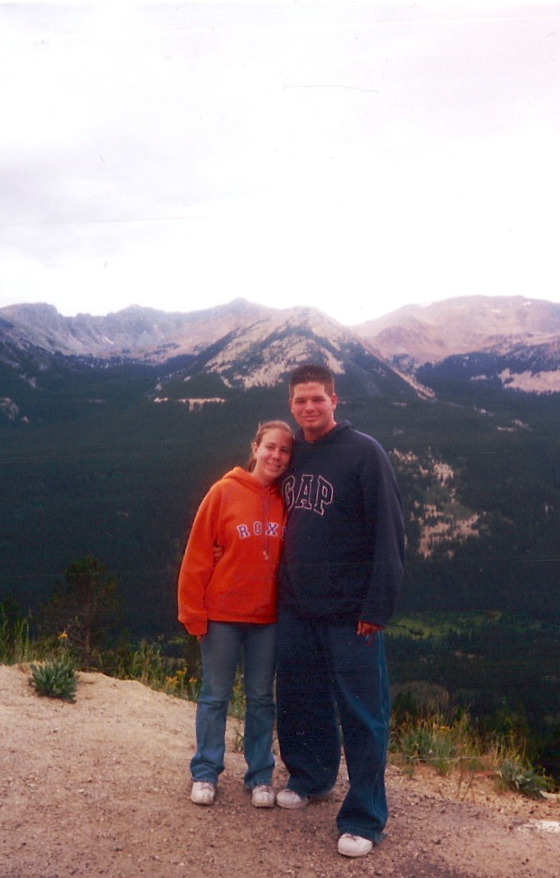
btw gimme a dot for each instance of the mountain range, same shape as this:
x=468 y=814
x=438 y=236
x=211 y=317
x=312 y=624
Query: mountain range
x=507 y=342
x=417 y=333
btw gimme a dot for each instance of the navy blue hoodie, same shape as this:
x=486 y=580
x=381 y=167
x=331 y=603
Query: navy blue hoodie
x=344 y=545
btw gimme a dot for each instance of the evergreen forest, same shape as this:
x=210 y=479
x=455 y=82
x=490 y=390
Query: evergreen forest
x=479 y=617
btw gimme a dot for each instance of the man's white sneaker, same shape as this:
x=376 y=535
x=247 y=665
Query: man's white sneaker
x=203 y=792
x=289 y=799
x=354 y=845
x=263 y=796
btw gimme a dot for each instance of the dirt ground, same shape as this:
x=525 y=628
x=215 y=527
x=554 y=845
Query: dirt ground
x=101 y=787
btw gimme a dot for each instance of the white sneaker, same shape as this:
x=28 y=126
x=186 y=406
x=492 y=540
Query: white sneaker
x=354 y=845
x=289 y=799
x=263 y=796
x=203 y=792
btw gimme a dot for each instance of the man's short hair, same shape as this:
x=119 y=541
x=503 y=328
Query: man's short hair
x=312 y=372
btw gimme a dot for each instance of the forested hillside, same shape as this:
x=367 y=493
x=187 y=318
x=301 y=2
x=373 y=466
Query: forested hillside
x=122 y=482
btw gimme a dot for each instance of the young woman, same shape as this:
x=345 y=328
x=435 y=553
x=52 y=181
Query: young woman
x=230 y=605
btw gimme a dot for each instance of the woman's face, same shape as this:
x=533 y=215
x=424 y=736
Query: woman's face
x=272 y=456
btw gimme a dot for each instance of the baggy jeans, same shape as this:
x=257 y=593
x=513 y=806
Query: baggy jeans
x=322 y=668
x=220 y=652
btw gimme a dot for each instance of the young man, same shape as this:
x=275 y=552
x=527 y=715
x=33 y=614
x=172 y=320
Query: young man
x=338 y=582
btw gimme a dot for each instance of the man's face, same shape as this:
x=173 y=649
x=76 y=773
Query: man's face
x=313 y=409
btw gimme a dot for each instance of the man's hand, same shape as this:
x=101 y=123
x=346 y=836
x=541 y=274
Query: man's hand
x=368 y=630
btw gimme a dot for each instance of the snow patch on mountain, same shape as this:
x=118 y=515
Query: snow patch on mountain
x=531 y=382
x=193 y=404
x=9 y=408
x=442 y=518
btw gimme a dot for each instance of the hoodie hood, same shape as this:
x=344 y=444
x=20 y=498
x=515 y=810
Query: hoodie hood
x=327 y=438
x=240 y=475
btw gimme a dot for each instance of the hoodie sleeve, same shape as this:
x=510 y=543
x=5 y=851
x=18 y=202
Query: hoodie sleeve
x=384 y=514
x=198 y=564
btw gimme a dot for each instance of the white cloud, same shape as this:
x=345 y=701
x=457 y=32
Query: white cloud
x=355 y=158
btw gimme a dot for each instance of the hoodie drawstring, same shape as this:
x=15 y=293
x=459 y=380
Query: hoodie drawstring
x=265 y=510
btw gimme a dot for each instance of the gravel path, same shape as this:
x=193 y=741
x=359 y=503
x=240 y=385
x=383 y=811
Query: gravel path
x=101 y=787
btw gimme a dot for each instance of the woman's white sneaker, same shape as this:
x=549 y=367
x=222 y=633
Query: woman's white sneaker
x=263 y=796
x=203 y=792
x=354 y=845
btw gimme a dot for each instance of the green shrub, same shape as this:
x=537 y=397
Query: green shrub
x=451 y=745
x=148 y=665
x=5 y=650
x=430 y=741
x=518 y=775
x=22 y=646
x=445 y=743
x=14 y=634
x=171 y=675
x=56 y=679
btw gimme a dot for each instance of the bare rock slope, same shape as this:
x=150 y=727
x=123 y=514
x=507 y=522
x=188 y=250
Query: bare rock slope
x=436 y=330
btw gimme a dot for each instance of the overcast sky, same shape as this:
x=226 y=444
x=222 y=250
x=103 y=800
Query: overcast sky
x=354 y=156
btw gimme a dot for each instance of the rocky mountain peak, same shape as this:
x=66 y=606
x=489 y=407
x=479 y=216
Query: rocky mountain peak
x=436 y=330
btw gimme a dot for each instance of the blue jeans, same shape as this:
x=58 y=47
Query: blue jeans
x=322 y=668
x=220 y=651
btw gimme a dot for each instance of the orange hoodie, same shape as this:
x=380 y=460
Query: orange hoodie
x=248 y=521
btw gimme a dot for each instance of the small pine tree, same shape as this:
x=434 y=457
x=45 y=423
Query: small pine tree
x=83 y=607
